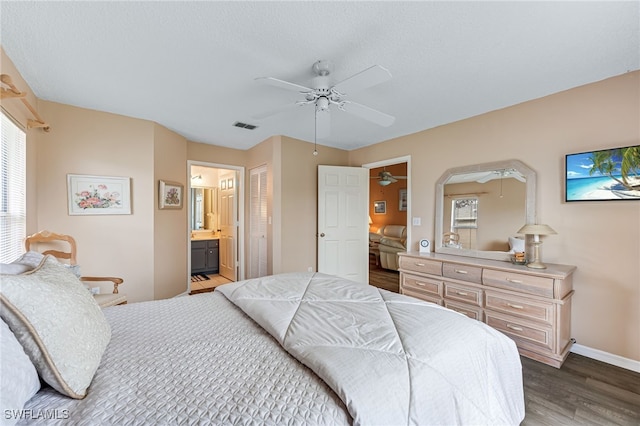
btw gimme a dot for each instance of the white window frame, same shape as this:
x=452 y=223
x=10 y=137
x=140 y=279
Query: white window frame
x=13 y=199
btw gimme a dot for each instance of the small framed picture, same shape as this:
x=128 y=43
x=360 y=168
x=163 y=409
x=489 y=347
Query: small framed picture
x=379 y=207
x=403 y=200
x=223 y=184
x=170 y=195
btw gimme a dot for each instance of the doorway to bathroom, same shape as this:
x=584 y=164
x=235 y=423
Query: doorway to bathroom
x=215 y=203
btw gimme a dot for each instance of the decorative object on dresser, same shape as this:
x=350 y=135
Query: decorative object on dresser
x=533 y=307
x=536 y=231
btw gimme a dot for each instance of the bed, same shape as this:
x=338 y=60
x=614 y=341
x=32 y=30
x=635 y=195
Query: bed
x=298 y=348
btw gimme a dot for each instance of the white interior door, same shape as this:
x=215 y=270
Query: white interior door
x=343 y=194
x=258 y=222
x=228 y=224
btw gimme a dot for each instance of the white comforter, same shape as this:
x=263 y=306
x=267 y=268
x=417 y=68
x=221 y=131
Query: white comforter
x=392 y=359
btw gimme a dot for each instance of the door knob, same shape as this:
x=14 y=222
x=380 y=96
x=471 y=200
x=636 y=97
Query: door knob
x=322 y=235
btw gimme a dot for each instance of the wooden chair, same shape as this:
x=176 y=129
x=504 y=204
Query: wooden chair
x=50 y=238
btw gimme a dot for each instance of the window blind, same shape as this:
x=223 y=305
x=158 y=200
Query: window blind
x=13 y=169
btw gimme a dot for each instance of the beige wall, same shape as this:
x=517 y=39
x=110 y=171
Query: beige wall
x=89 y=142
x=600 y=238
x=171 y=227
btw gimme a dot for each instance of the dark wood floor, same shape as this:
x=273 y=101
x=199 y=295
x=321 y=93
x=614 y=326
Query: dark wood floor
x=583 y=392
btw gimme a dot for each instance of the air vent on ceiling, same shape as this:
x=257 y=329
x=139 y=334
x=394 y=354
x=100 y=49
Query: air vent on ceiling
x=244 y=125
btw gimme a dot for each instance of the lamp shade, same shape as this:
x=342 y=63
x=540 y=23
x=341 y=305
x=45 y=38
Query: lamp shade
x=536 y=229
x=370 y=221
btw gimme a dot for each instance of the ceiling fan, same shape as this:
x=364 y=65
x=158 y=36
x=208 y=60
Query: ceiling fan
x=386 y=178
x=323 y=94
x=500 y=174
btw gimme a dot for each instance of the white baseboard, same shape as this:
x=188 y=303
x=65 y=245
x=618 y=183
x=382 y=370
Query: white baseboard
x=607 y=357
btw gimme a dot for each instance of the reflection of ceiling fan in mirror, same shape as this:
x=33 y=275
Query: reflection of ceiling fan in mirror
x=386 y=178
x=323 y=94
x=500 y=174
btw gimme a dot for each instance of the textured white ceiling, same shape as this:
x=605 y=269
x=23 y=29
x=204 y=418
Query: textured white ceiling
x=190 y=66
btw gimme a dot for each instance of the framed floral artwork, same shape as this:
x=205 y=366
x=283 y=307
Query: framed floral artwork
x=98 y=195
x=170 y=195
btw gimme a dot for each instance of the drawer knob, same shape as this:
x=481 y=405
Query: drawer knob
x=513 y=327
x=419 y=264
x=460 y=271
x=462 y=293
x=420 y=284
x=512 y=280
x=511 y=305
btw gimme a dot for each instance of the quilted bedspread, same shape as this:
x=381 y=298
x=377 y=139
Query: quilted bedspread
x=392 y=359
x=195 y=360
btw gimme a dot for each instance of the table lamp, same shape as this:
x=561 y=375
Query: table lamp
x=536 y=230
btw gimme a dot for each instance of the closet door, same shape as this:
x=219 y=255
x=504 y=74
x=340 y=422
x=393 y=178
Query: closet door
x=258 y=222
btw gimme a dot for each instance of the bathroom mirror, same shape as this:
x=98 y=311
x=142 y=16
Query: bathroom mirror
x=480 y=208
x=203 y=208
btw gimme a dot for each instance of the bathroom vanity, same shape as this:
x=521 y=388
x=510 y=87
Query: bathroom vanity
x=205 y=257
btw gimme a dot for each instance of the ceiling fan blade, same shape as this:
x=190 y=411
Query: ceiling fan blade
x=367 y=113
x=278 y=110
x=364 y=79
x=489 y=176
x=283 y=84
x=323 y=124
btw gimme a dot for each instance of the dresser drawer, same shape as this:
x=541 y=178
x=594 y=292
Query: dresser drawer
x=531 y=309
x=473 y=312
x=422 y=284
x=523 y=332
x=463 y=293
x=540 y=286
x=425 y=266
x=472 y=274
x=427 y=297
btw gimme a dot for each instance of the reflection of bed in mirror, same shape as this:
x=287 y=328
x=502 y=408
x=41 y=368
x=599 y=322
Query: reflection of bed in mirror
x=484 y=205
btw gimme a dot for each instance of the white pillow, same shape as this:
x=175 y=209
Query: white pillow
x=18 y=376
x=30 y=258
x=516 y=245
x=58 y=323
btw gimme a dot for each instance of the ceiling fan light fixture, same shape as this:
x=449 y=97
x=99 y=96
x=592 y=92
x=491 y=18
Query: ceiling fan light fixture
x=322 y=68
x=382 y=182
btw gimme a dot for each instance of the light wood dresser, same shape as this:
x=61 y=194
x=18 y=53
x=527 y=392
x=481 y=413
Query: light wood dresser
x=531 y=306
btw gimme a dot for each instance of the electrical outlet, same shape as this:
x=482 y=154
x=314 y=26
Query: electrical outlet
x=310 y=269
x=95 y=290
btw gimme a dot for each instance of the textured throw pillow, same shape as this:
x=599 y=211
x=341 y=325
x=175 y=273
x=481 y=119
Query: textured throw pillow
x=18 y=376
x=58 y=323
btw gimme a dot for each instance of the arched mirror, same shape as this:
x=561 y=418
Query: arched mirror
x=480 y=208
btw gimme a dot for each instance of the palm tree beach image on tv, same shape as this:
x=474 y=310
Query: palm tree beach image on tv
x=608 y=174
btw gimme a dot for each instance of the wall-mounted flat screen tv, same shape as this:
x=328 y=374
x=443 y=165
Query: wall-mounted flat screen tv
x=608 y=174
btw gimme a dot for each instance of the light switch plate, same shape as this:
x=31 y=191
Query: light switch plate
x=417 y=221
